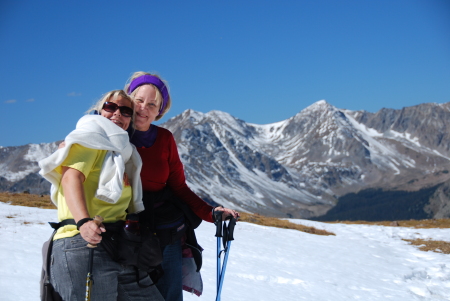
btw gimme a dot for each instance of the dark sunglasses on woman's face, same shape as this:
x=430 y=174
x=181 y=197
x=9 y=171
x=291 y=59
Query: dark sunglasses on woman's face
x=111 y=107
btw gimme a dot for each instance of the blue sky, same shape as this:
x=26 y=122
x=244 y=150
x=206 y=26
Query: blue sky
x=261 y=61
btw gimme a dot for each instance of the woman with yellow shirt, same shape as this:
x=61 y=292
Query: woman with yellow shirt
x=91 y=176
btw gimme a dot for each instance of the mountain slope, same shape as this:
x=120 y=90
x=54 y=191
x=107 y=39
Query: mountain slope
x=19 y=168
x=298 y=167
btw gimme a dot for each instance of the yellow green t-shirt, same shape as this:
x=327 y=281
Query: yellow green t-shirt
x=89 y=162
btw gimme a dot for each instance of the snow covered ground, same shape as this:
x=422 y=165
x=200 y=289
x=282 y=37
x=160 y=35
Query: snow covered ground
x=359 y=263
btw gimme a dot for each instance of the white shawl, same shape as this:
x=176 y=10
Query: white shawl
x=97 y=132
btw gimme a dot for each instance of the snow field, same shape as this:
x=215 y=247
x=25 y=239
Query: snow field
x=359 y=263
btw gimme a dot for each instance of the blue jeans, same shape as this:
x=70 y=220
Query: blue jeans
x=112 y=281
x=170 y=285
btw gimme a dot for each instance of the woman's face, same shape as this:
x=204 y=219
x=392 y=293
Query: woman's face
x=146 y=106
x=117 y=116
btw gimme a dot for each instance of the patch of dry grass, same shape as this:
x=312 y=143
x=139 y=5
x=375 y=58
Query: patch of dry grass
x=437 y=246
x=417 y=224
x=28 y=200
x=279 y=223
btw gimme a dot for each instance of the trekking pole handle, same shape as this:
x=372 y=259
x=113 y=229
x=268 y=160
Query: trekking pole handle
x=98 y=221
x=231 y=225
x=218 y=223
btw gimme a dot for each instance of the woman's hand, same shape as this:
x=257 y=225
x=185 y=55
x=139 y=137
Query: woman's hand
x=91 y=232
x=226 y=212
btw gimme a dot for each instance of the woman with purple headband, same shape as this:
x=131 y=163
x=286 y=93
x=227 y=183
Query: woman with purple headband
x=165 y=191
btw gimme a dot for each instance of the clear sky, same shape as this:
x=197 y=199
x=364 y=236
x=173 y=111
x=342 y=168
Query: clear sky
x=261 y=61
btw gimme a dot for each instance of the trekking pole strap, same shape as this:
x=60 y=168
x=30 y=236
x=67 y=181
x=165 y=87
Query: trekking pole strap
x=231 y=225
x=218 y=223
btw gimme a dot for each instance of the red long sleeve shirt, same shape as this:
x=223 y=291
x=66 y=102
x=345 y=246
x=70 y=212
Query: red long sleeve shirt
x=162 y=166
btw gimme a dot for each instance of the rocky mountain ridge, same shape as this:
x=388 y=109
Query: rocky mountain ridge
x=298 y=167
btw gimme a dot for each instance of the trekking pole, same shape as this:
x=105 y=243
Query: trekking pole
x=90 y=278
x=227 y=238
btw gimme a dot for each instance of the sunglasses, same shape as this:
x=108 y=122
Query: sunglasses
x=111 y=107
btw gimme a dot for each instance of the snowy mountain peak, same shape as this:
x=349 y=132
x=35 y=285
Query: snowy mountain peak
x=220 y=114
x=192 y=115
x=321 y=105
x=322 y=102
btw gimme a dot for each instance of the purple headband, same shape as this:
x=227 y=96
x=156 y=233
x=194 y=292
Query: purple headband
x=150 y=79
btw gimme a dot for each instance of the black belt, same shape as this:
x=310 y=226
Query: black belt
x=63 y=223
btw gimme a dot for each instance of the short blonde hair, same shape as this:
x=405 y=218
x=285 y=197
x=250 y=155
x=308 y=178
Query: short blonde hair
x=158 y=93
x=111 y=96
